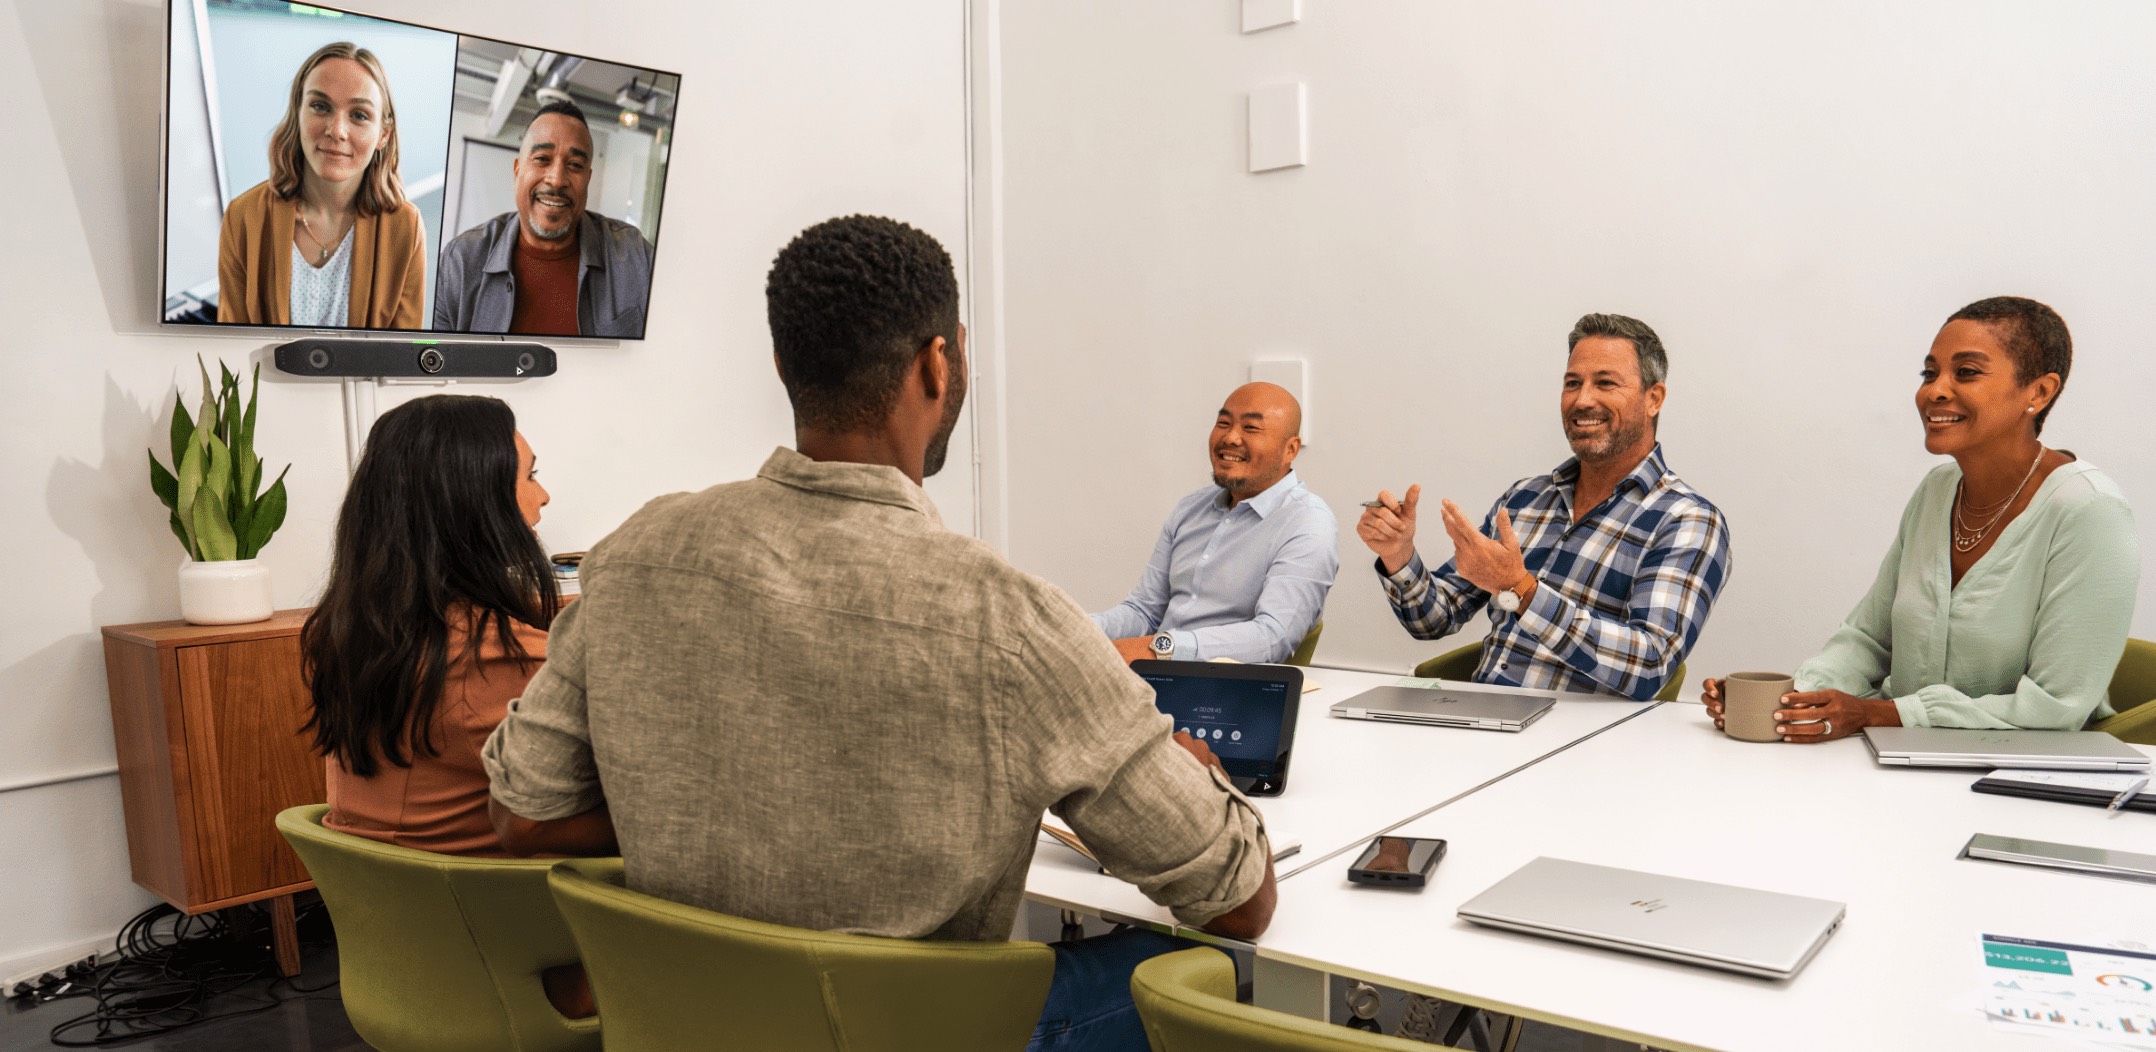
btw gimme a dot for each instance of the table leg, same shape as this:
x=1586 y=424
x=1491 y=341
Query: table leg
x=1289 y=988
x=284 y=935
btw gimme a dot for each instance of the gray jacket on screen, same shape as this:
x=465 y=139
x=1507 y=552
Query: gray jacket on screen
x=474 y=290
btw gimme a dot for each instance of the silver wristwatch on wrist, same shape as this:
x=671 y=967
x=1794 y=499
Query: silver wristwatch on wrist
x=1508 y=600
x=1163 y=646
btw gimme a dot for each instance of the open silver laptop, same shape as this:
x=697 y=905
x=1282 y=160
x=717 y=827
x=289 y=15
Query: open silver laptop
x=1447 y=707
x=1735 y=929
x=2049 y=750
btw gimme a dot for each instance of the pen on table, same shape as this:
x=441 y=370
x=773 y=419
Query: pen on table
x=2127 y=794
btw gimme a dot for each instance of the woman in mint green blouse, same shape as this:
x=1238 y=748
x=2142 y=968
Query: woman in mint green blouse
x=2005 y=598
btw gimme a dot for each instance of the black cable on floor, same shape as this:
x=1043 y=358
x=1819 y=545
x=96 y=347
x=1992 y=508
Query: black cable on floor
x=165 y=977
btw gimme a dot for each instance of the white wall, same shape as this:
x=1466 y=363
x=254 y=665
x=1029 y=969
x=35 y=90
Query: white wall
x=1795 y=194
x=789 y=115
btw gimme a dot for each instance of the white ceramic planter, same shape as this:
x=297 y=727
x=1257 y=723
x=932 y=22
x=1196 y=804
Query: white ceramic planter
x=234 y=592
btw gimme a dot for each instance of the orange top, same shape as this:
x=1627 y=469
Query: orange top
x=254 y=264
x=439 y=803
x=546 y=289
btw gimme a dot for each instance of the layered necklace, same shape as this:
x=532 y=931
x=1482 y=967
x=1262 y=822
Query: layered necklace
x=1967 y=537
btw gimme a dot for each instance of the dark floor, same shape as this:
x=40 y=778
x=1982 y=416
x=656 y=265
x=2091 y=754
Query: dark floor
x=300 y=1022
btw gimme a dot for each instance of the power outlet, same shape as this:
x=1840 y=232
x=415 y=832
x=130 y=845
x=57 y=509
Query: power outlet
x=64 y=969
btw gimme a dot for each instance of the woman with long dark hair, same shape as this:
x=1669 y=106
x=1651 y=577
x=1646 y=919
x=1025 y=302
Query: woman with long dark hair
x=435 y=617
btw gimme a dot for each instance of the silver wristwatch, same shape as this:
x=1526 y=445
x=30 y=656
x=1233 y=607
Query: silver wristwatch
x=1508 y=600
x=1163 y=646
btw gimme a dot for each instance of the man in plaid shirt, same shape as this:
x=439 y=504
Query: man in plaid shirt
x=1598 y=575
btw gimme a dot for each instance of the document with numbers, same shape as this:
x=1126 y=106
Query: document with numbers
x=2087 y=993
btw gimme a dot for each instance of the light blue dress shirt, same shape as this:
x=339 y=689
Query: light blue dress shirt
x=1246 y=582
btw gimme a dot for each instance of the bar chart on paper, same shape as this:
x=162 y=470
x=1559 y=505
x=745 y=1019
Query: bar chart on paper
x=2104 y=994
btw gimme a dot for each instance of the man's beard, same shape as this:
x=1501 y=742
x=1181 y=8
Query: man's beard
x=1237 y=488
x=568 y=227
x=939 y=447
x=1607 y=444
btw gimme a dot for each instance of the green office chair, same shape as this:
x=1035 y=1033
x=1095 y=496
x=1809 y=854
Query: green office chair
x=440 y=953
x=670 y=977
x=1308 y=648
x=1460 y=664
x=1187 y=1002
x=2133 y=687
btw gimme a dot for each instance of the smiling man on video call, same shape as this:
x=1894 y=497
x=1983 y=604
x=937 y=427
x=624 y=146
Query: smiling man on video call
x=1616 y=562
x=1242 y=566
x=550 y=268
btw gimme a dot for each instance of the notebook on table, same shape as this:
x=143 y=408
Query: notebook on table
x=2047 y=750
x=2095 y=788
x=1745 y=930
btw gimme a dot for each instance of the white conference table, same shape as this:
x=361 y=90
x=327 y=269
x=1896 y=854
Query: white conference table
x=1348 y=780
x=1667 y=793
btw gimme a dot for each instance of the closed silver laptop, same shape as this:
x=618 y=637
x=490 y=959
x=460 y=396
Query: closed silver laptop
x=1762 y=933
x=1447 y=707
x=2045 y=750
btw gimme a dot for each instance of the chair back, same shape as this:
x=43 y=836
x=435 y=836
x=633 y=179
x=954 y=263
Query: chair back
x=2133 y=686
x=1308 y=648
x=1460 y=664
x=1452 y=664
x=440 y=953
x=669 y=977
x=1187 y=1002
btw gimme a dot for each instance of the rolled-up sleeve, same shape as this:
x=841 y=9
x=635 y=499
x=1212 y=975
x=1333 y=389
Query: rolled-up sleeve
x=1103 y=759
x=539 y=760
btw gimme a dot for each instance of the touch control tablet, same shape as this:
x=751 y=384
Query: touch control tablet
x=1244 y=713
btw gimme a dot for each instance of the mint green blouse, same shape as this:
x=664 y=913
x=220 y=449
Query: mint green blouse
x=2031 y=636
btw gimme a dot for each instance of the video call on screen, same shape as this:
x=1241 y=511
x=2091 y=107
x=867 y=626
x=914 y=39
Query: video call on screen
x=481 y=215
x=1239 y=719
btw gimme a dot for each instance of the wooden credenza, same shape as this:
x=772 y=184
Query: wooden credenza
x=207 y=724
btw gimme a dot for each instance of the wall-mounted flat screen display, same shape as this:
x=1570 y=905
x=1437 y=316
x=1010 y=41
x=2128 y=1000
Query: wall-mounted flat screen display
x=329 y=170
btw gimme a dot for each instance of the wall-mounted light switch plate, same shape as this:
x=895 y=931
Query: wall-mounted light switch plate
x=1279 y=127
x=1265 y=14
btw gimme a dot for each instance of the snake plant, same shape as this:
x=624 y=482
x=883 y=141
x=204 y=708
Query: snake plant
x=214 y=488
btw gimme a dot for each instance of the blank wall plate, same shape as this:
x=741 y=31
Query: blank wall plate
x=1279 y=127
x=1290 y=373
x=1265 y=14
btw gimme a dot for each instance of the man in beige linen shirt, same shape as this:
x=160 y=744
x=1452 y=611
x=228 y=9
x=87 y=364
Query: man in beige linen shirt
x=809 y=703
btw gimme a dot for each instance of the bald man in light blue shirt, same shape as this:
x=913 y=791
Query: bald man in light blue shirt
x=1242 y=566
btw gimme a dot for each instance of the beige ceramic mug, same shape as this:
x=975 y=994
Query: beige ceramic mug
x=1749 y=700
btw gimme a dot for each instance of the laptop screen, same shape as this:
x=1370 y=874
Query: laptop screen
x=1243 y=712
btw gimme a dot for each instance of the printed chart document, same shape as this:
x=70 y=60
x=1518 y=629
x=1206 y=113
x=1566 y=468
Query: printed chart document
x=2087 y=993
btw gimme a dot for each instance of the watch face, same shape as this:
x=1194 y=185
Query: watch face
x=1508 y=601
x=1163 y=644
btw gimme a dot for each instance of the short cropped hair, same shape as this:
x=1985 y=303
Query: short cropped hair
x=851 y=302
x=2034 y=336
x=1653 y=361
x=562 y=106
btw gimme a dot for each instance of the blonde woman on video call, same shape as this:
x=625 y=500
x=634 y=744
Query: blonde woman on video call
x=329 y=239
x=2006 y=596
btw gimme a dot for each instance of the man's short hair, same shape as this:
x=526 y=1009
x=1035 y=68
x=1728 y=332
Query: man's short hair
x=851 y=302
x=563 y=107
x=1653 y=362
x=2034 y=336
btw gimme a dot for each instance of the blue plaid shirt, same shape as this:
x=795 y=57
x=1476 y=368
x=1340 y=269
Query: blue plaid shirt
x=1621 y=595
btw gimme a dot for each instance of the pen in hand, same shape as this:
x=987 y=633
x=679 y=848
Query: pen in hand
x=2119 y=801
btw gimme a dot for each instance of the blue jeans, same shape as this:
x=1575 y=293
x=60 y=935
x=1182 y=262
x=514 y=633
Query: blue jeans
x=1089 y=1007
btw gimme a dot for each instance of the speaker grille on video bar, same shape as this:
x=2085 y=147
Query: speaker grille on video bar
x=395 y=358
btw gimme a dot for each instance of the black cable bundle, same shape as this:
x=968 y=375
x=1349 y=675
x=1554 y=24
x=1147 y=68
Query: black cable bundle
x=164 y=978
